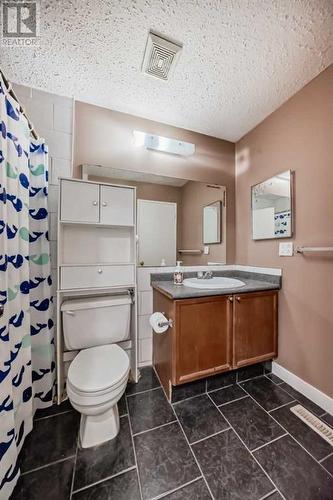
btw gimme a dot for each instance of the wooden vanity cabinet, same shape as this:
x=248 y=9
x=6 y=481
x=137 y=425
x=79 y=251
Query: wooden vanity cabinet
x=203 y=337
x=254 y=327
x=212 y=335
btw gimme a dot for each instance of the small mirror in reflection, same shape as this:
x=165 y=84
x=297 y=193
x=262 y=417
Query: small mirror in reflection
x=272 y=208
x=212 y=223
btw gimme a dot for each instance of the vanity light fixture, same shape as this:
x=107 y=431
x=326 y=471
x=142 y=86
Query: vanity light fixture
x=164 y=144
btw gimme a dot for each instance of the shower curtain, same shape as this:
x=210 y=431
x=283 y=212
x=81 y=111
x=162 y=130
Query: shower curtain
x=27 y=367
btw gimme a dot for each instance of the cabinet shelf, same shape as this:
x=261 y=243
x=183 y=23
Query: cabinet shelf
x=94 y=264
x=96 y=224
x=97 y=290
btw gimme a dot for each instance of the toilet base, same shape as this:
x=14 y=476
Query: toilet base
x=97 y=429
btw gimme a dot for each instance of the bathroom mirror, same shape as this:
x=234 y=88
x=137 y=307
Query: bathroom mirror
x=212 y=223
x=175 y=217
x=272 y=207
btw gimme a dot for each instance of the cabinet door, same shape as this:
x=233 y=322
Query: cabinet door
x=117 y=206
x=202 y=337
x=255 y=327
x=79 y=201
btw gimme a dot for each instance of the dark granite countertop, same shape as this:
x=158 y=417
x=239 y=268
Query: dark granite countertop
x=254 y=282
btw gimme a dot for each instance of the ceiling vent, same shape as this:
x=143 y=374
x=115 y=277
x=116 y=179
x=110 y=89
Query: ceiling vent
x=160 y=56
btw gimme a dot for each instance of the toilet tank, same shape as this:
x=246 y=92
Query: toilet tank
x=90 y=322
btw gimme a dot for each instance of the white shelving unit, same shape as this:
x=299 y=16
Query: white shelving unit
x=96 y=255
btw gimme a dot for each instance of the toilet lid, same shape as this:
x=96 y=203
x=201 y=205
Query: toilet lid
x=98 y=368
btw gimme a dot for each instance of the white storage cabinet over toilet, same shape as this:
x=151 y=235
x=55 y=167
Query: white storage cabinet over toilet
x=96 y=285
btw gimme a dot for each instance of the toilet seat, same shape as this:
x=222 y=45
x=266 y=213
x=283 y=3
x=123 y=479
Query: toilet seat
x=98 y=370
x=98 y=393
x=96 y=398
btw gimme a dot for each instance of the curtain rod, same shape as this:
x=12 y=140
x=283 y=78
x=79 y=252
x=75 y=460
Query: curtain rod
x=12 y=93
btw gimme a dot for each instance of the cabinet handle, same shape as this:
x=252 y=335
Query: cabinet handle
x=100 y=271
x=238 y=299
x=95 y=203
x=231 y=299
x=104 y=204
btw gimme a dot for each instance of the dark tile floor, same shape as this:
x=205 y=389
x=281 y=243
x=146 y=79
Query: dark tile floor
x=231 y=437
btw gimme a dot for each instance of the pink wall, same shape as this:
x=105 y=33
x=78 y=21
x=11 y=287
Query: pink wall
x=298 y=136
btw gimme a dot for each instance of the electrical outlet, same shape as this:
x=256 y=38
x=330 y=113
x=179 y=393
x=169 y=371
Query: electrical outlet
x=286 y=249
x=206 y=250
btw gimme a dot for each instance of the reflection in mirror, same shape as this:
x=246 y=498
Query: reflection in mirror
x=272 y=207
x=212 y=223
x=170 y=216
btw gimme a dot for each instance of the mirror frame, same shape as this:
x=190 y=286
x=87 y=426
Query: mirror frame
x=219 y=223
x=292 y=207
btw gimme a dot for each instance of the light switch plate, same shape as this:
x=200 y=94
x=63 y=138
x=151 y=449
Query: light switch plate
x=206 y=250
x=286 y=249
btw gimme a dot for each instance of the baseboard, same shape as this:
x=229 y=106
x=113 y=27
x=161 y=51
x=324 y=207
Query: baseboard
x=318 y=397
x=145 y=363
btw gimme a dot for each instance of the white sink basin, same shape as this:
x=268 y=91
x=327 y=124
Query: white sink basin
x=215 y=283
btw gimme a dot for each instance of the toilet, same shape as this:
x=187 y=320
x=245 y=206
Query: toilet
x=98 y=375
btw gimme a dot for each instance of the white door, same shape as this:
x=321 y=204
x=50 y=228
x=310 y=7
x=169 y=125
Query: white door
x=79 y=201
x=157 y=232
x=117 y=206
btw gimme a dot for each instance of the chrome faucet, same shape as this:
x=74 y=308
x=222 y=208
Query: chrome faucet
x=207 y=275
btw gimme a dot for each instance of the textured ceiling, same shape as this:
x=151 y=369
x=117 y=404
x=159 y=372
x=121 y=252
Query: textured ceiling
x=240 y=61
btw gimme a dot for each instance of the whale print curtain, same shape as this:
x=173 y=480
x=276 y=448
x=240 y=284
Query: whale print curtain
x=27 y=369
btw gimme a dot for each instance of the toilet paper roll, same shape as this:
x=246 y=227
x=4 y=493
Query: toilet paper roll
x=154 y=321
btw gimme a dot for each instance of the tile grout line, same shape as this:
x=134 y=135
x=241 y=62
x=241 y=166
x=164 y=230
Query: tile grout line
x=220 y=388
x=53 y=415
x=47 y=465
x=211 y=435
x=88 y=486
x=141 y=392
x=276 y=383
x=325 y=458
x=233 y=401
x=163 y=495
x=248 y=379
x=268 y=495
x=187 y=399
x=300 y=402
x=195 y=458
x=212 y=390
x=134 y=450
x=74 y=466
x=292 y=437
x=254 y=458
x=188 y=444
x=281 y=406
x=153 y=428
x=273 y=409
x=270 y=442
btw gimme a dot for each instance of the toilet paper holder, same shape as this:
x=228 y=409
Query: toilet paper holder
x=168 y=323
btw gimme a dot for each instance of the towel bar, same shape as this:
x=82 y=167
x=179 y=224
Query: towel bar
x=313 y=249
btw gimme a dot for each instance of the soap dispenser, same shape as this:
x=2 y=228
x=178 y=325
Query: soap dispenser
x=178 y=275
